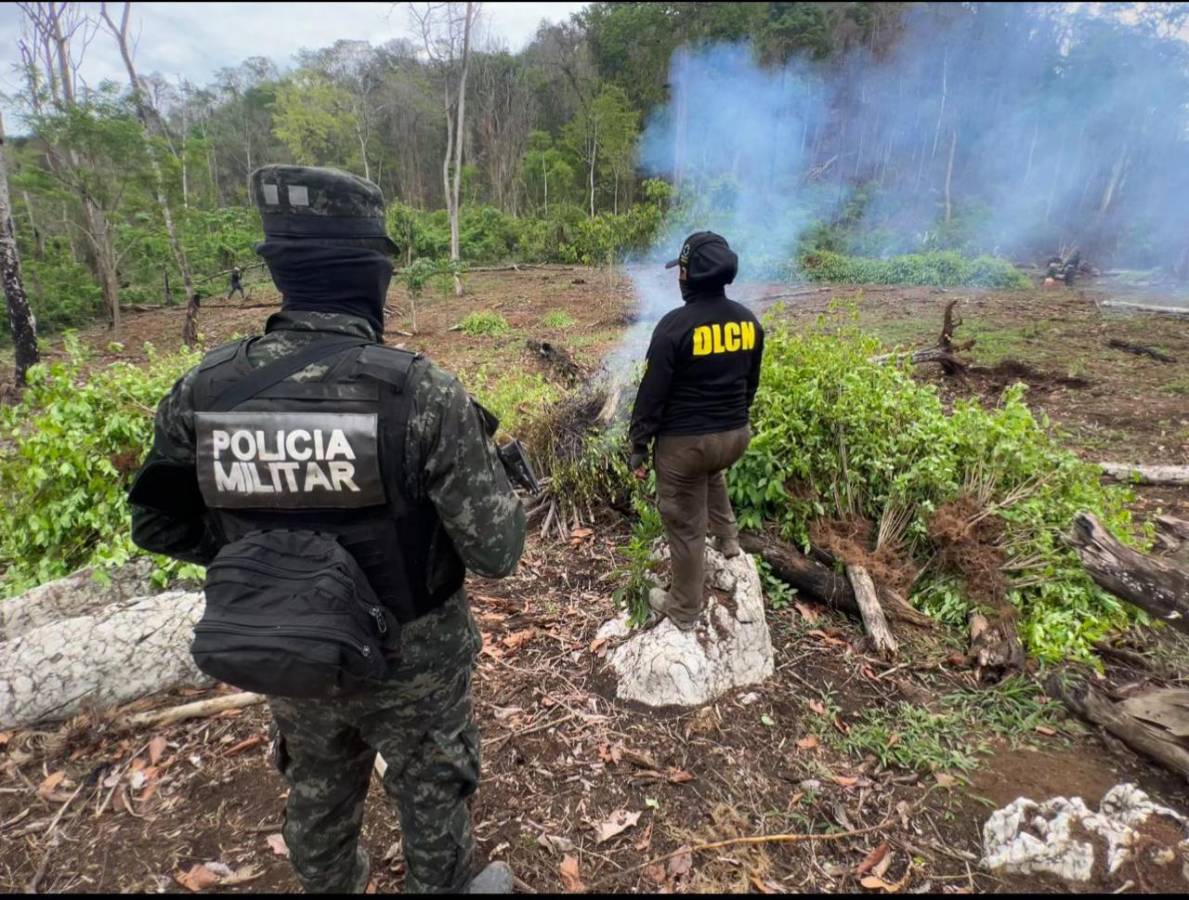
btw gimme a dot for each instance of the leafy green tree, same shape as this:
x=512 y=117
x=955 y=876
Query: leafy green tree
x=602 y=136
x=543 y=168
x=314 y=118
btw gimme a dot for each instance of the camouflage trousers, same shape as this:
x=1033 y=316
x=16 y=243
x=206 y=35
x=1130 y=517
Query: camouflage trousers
x=421 y=722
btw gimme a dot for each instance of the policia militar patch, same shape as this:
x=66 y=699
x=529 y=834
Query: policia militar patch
x=289 y=460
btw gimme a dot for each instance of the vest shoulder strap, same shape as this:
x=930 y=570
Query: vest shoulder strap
x=390 y=365
x=221 y=354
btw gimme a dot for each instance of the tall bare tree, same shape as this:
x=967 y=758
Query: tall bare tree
x=51 y=70
x=148 y=115
x=446 y=30
x=20 y=320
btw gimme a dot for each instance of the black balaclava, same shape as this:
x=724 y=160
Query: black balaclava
x=349 y=277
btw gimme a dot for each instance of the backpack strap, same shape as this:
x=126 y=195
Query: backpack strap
x=278 y=370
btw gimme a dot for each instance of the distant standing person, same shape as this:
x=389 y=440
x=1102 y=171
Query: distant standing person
x=701 y=376
x=237 y=283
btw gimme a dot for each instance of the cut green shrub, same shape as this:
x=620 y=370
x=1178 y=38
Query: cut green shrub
x=67 y=453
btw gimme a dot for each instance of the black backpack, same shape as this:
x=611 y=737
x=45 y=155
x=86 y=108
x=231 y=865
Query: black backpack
x=290 y=613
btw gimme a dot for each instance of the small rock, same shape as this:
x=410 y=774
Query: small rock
x=1026 y=837
x=810 y=785
x=749 y=698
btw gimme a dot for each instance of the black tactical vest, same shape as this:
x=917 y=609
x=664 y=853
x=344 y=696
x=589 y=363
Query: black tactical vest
x=326 y=456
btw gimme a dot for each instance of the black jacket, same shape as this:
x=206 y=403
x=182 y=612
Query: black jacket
x=702 y=371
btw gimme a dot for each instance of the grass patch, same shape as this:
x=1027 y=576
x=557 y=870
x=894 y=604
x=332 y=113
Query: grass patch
x=484 y=324
x=952 y=735
x=558 y=319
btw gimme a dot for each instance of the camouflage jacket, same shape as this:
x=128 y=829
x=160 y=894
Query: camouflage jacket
x=449 y=458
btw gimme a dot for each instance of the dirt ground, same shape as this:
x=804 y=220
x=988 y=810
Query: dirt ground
x=136 y=811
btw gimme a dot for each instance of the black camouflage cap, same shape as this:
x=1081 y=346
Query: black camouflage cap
x=312 y=202
x=706 y=256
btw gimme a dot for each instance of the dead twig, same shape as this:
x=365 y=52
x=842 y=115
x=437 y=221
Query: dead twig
x=751 y=840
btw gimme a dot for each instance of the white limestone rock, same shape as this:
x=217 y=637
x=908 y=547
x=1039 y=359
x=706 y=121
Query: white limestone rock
x=730 y=648
x=1026 y=837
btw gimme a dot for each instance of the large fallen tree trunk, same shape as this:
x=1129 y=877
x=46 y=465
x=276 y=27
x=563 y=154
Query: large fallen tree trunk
x=1158 y=587
x=1161 y=744
x=819 y=582
x=99 y=659
x=1146 y=474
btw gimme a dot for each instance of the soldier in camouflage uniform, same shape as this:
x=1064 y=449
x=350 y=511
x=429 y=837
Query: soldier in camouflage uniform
x=421 y=719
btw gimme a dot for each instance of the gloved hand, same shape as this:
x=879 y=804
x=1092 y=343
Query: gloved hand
x=638 y=462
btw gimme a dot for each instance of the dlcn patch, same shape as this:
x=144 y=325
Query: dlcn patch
x=289 y=460
x=729 y=337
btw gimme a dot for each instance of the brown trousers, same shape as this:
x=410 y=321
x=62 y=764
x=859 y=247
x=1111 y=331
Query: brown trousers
x=692 y=498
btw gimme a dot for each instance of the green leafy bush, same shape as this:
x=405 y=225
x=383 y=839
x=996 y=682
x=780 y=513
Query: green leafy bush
x=837 y=435
x=62 y=293
x=67 y=452
x=491 y=324
x=514 y=396
x=942 y=269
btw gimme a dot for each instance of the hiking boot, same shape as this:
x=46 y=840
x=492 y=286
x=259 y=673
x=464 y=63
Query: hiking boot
x=363 y=865
x=495 y=879
x=658 y=602
x=728 y=547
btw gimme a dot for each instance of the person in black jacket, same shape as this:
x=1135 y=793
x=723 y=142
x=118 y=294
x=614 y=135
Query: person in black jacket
x=701 y=375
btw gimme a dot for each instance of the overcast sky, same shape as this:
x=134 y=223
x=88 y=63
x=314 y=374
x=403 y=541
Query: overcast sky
x=196 y=39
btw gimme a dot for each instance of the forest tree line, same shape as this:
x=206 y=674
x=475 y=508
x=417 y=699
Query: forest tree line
x=136 y=192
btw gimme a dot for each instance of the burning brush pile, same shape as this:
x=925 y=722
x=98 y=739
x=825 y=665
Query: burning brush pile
x=863 y=492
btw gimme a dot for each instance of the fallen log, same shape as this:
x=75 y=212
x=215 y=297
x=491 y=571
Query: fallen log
x=1159 y=744
x=821 y=583
x=1140 y=474
x=159 y=718
x=871 y=612
x=1174 y=527
x=1148 y=307
x=1139 y=350
x=104 y=658
x=933 y=354
x=1158 y=587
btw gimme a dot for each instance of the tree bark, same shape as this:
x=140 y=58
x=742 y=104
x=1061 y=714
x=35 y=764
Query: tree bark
x=459 y=133
x=1152 y=741
x=871 y=612
x=949 y=175
x=1158 y=587
x=822 y=583
x=96 y=661
x=38 y=237
x=20 y=319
